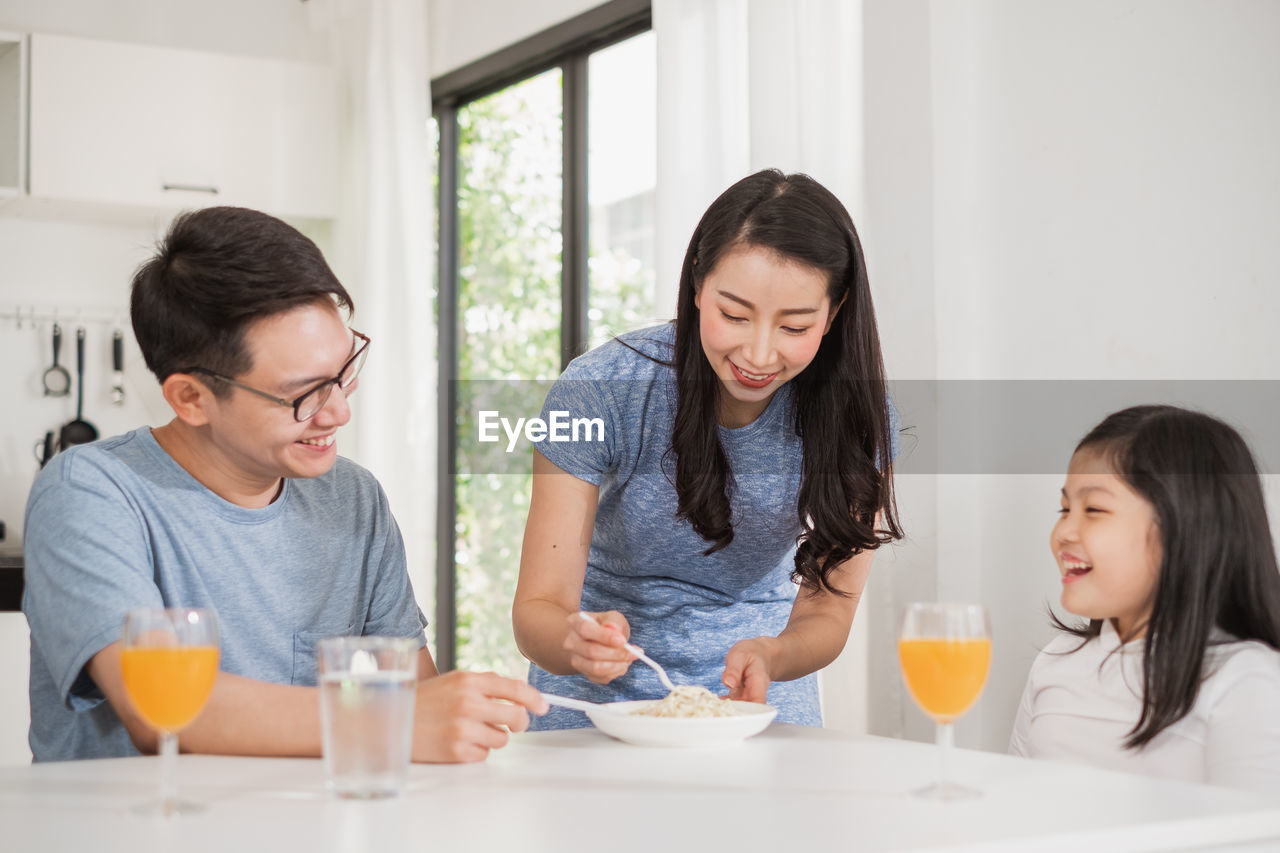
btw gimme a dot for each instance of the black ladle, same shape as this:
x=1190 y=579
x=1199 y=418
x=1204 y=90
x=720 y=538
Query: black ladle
x=57 y=382
x=78 y=431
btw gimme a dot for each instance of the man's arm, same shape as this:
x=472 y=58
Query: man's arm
x=459 y=716
x=242 y=717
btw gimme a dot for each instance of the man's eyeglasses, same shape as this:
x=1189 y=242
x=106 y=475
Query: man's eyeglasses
x=311 y=401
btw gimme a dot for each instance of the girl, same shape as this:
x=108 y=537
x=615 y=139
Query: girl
x=744 y=451
x=1163 y=545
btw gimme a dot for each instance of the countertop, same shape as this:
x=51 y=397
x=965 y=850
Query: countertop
x=790 y=788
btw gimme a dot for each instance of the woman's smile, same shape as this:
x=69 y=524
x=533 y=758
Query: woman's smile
x=761 y=321
x=752 y=380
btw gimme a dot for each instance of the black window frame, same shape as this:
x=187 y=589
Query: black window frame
x=567 y=46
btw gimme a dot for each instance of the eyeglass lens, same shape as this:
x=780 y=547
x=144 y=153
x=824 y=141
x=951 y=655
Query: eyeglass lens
x=314 y=400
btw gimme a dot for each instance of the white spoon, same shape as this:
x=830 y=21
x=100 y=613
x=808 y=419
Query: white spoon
x=641 y=656
x=662 y=673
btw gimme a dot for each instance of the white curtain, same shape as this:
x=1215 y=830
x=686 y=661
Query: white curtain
x=382 y=250
x=745 y=85
x=703 y=115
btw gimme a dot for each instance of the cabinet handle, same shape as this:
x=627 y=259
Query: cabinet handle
x=191 y=188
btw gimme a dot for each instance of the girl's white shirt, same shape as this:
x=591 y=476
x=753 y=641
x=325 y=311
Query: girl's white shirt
x=1079 y=706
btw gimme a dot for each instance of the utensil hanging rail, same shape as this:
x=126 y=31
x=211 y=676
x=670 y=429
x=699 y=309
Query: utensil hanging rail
x=30 y=317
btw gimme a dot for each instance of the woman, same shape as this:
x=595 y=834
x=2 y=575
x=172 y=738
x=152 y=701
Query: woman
x=744 y=452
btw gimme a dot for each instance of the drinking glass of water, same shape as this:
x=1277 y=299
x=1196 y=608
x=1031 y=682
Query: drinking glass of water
x=367 y=691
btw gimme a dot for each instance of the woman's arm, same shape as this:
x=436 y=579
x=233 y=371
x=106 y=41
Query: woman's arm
x=814 y=636
x=553 y=563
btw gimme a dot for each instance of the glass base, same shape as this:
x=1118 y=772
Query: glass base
x=367 y=794
x=168 y=808
x=947 y=791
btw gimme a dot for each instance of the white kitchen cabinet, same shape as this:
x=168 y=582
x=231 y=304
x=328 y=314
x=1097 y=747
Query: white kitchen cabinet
x=13 y=114
x=15 y=707
x=115 y=125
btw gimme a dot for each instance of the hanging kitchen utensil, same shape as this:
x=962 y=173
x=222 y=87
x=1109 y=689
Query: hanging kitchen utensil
x=78 y=431
x=57 y=381
x=45 y=449
x=117 y=368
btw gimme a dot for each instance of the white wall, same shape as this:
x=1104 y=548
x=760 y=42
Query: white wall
x=897 y=237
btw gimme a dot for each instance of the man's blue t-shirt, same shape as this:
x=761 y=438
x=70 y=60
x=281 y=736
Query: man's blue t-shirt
x=118 y=524
x=685 y=609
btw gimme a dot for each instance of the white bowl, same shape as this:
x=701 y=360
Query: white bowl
x=617 y=720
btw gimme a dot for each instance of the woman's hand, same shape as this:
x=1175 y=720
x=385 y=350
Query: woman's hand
x=816 y=631
x=596 y=645
x=749 y=668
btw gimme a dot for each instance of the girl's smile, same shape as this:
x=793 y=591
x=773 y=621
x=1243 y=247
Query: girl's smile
x=761 y=318
x=1073 y=568
x=1107 y=544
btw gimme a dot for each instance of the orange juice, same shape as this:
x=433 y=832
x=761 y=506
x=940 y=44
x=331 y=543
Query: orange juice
x=169 y=685
x=945 y=676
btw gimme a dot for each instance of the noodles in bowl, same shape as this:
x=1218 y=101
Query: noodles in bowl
x=686 y=701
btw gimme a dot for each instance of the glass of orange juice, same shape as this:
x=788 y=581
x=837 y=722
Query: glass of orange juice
x=169 y=660
x=945 y=652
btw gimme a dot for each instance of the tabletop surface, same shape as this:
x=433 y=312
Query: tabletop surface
x=790 y=788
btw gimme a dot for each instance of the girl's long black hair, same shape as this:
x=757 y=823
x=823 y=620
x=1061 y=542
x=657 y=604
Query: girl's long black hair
x=841 y=406
x=1219 y=564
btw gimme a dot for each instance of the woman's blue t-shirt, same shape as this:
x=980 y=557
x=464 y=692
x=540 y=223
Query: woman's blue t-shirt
x=685 y=609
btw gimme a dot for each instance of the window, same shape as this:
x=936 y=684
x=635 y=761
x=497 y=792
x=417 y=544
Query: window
x=546 y=173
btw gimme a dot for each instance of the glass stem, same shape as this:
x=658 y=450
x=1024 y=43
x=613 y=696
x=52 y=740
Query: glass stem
x=945 y=740
x=168 y=773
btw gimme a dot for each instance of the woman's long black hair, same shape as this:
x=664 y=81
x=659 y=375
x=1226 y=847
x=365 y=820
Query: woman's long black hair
x=1219 y=564
x=841 y=407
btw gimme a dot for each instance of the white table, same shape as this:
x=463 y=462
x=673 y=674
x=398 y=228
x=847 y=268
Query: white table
x=789 y=789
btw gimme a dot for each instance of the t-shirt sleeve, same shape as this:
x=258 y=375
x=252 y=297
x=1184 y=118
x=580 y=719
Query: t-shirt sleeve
x=1243 y=745
x=586 y=442
x=86 y=564
x=393 y=610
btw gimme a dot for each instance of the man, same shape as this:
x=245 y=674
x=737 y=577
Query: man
x=239 y=504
